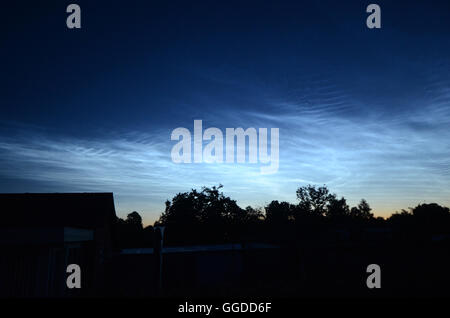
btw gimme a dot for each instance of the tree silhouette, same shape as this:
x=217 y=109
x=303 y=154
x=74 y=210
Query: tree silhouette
x=362 y=211
x=431 y=212
x=206 y=215
x=337 y=209
x=279 y=212
x=253 y=215
x=135 y=220
x=314 y=199
x=209 y=206
x=129 y=232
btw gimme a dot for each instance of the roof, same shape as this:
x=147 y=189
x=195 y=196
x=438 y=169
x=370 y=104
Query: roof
x=199 y=248
x=80 y=210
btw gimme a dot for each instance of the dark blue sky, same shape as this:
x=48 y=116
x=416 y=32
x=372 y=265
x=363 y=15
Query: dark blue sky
x=365 y=111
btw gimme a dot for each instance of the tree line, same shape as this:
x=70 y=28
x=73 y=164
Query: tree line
x=209 y=217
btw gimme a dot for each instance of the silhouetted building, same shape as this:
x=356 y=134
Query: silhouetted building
x=40 y=234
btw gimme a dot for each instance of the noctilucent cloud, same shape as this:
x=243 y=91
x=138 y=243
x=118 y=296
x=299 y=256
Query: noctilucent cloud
x=364 y=111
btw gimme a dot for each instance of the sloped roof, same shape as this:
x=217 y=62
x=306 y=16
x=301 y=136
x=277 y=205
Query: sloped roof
x=82 y=210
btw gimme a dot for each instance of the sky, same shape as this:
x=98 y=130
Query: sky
x=364 y=111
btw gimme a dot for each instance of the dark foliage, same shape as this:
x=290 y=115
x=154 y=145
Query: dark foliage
x=210 y=217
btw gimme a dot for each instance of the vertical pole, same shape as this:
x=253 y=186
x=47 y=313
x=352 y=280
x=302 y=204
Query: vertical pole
x=159 y=239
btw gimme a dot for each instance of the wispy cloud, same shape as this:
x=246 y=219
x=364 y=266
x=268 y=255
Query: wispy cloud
x=393 y=159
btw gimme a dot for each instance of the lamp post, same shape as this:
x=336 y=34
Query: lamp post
x=159 y=241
